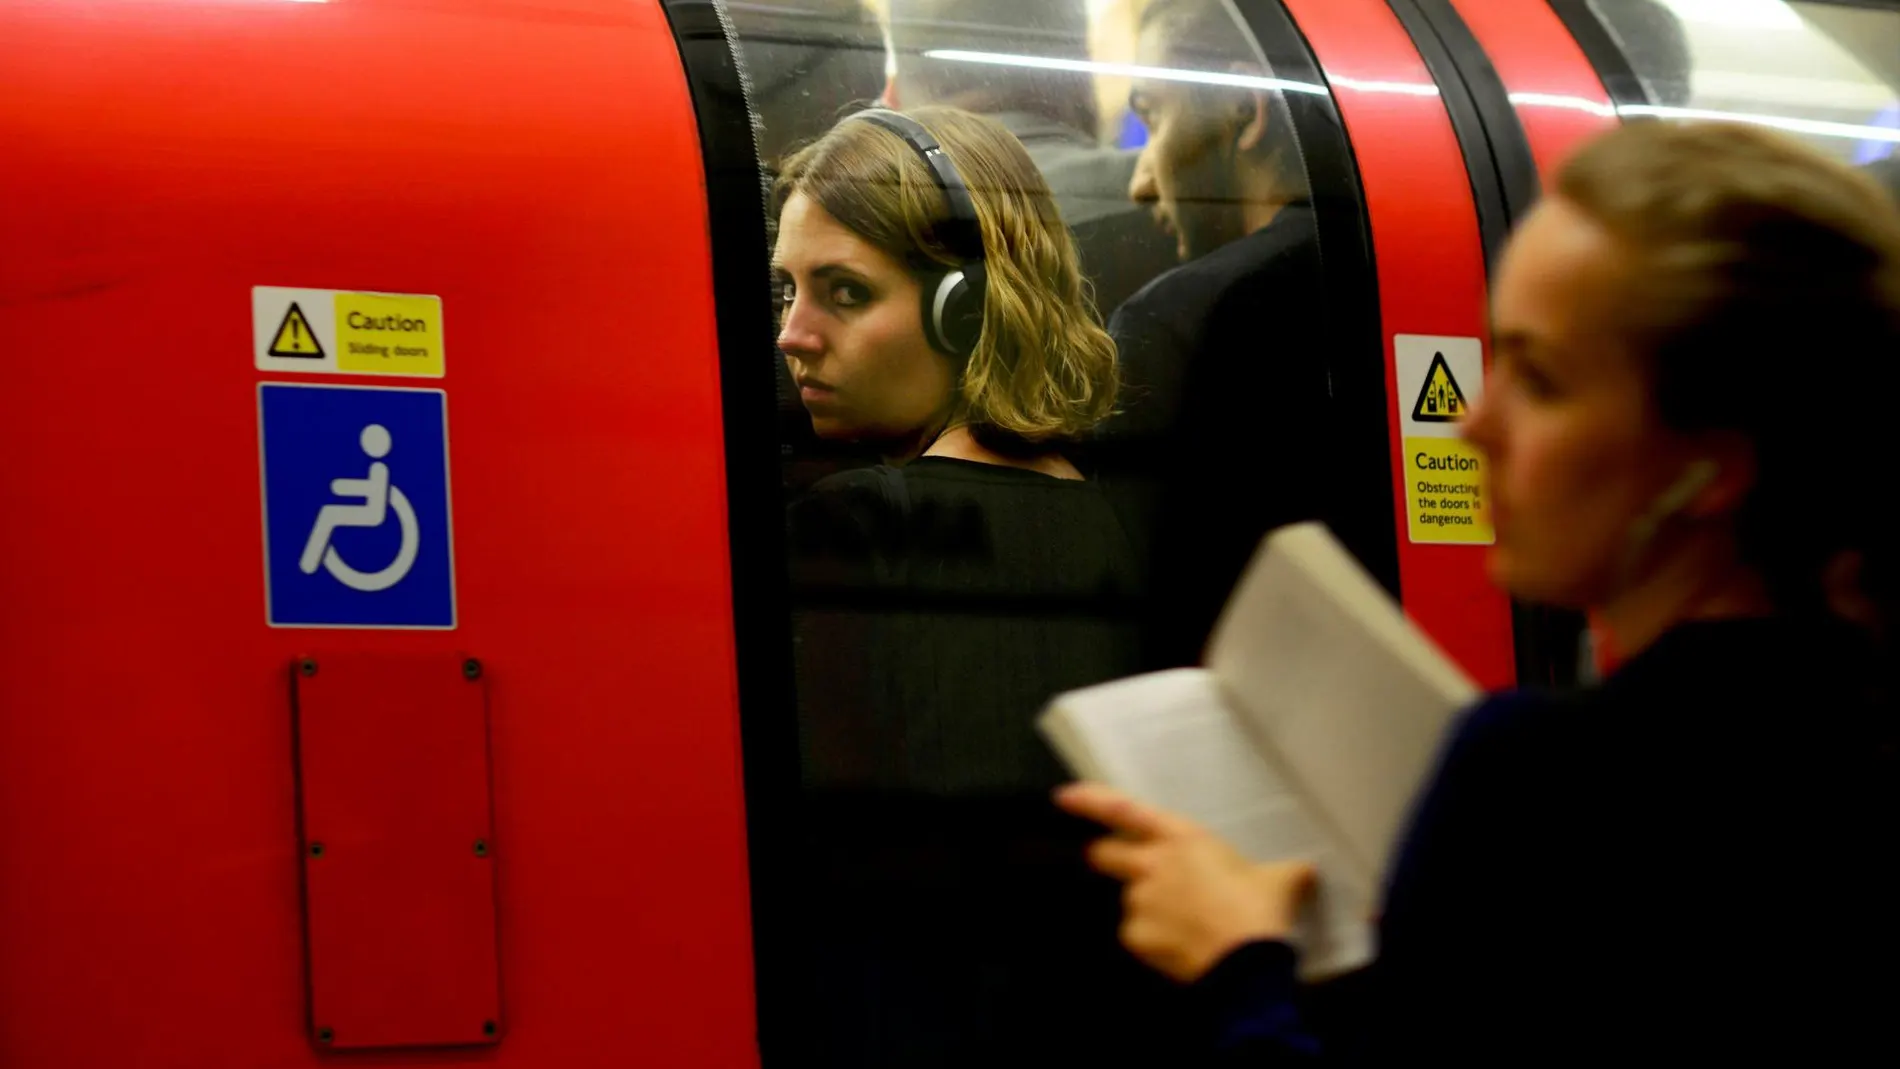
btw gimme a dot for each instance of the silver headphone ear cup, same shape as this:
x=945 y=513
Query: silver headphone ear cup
x=962 y=320
x=953 y=309
x=943 y=310
x=946 y=313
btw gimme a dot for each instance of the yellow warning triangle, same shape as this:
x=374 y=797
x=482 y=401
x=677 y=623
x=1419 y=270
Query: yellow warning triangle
x=295 y=338
x=1441 y=401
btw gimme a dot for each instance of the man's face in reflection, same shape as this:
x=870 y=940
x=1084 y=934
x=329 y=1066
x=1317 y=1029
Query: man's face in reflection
x=1186 y=174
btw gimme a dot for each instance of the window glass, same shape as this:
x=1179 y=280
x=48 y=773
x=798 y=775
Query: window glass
x=978 y=525
x=1827 y=72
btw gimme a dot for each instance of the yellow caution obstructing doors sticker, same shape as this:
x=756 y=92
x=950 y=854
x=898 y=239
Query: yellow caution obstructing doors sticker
x=1440 y=379
x=346 y=332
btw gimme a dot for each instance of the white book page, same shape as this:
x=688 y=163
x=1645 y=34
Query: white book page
x=1170 y=739
x=1342 y=690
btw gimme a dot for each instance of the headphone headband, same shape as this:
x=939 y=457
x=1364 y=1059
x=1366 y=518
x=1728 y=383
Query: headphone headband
x=953 y=301
x=963 y=231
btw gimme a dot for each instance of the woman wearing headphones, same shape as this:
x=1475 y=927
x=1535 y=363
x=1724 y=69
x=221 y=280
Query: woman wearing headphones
x=932 y=308
x=1689 y=423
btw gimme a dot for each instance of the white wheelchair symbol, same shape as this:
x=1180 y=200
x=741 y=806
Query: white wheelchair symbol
x=379 y=499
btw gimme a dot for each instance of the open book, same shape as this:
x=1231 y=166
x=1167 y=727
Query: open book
x=1316 y=720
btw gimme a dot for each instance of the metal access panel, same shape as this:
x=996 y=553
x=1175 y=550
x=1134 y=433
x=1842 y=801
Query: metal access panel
x=398 y=850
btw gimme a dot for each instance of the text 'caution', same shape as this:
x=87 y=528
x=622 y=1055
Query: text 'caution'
x=1444 y=492
x=1441 y=380
x=347 y=332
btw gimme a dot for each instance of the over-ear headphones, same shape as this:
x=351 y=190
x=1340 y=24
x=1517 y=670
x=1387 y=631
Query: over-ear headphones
x=953 y=300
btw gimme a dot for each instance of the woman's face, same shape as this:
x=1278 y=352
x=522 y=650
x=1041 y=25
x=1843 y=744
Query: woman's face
x=852 y=332
x=1577 y=453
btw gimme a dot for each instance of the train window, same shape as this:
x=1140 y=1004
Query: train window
x=1023 y=452
x=1828 y=72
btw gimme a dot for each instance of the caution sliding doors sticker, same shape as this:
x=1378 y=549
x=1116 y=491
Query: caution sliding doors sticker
x=1440 y=379
x=345 y=332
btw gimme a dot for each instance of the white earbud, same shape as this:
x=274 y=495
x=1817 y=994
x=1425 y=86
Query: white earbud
x=1694 y=479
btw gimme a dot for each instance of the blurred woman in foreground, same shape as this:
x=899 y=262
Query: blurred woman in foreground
x=1690 y=425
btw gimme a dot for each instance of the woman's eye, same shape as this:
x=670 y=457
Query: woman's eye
x=1521 y=375
x=785 y=293
x=850 y=295
x=1535 y=383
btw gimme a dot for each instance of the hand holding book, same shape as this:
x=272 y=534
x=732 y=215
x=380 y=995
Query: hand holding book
x=1316 y=719
x=1191 y=898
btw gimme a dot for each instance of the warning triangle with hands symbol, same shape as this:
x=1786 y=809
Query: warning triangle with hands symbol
x=295 y=338
x=1440 y=401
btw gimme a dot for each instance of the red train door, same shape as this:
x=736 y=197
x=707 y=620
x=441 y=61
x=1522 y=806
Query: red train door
x=1557 y=97
x=366 y=656
x=1431 y=263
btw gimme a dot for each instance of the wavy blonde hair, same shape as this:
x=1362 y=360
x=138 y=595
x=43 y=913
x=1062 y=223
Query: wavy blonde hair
x=1043 y=369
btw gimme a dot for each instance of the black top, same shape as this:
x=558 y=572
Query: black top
x=937 y=609
x=1690 y=864
x=1223 y=433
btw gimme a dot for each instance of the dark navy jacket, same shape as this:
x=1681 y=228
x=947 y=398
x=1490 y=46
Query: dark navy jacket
x=1692 y=863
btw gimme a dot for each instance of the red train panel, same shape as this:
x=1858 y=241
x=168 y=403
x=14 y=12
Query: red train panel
x=535 y=166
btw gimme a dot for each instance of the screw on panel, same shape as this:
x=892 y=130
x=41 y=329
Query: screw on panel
x=471 y=669
x=324 y=1035
x=481 y=848
x=316 y=849
x=308 y=668
x=488 y=1028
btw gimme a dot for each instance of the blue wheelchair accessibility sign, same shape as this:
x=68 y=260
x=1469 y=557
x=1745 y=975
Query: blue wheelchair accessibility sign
x=356 y=507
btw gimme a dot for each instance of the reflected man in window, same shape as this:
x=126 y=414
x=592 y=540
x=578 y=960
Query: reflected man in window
x=1224 y=358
